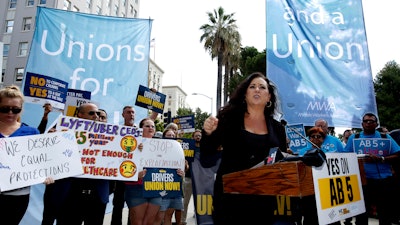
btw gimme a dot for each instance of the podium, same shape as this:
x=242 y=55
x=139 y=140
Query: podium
x=283 y=178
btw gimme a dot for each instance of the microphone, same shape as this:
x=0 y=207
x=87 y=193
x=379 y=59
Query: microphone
x=313 y=157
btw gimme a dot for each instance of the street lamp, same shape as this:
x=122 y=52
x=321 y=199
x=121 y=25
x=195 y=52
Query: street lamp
x=208 y=98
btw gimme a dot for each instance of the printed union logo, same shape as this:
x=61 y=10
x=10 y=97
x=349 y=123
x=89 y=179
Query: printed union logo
x=344 y=211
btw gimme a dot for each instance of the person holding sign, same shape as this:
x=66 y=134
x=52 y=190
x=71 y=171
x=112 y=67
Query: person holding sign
x=13 y=204
x=142 y=211
x=378 y=152
x=187 y=184
x=170 y=206
x=317 y=136
x=86 y=199
x=118 y=187
x=246 y=129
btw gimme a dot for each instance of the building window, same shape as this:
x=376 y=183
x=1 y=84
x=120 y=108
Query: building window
x=98 y=10
x=13 y=4
x=3 y=73
x=19 y=74
x=23 y=49
x=30 y=2
x=135 y=13
x=116 y=9
x=42 y=2
x=6 y=49
x=9 y=26
x=67 y=5
x=88 y=3
x=124 y=2
x=26 y=23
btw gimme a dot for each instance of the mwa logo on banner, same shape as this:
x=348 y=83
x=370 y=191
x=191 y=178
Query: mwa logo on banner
x=107 y=56
x=317 y=54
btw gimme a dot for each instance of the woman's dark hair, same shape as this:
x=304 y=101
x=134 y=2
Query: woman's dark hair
x=237 y=101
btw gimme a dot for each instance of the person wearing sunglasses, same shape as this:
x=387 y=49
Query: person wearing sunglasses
x=85 y=199
x=382 y=187
x=316 y=136
x=13 y=204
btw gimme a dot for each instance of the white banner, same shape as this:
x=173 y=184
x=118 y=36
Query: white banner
x=28 y=160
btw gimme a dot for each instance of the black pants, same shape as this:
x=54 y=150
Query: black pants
x=118 y=203
x=383 y=193
x=13 y=208
x=49 y=207
x=82 y=207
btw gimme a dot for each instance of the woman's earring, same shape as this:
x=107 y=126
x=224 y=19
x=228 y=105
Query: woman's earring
x=269 y=104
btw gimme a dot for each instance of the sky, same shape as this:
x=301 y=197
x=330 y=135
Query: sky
x=182 y=57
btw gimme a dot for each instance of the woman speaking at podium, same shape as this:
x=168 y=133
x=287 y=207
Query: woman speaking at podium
x=246 y=130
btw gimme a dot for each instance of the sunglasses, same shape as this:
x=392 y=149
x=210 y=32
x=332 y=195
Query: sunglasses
x=316 y=136
x=91 y=113
x=8 y=109
x=369 y=121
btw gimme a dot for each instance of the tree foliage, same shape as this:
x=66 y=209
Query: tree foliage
x=222 y=41
x=386 y=84
x=251 y=60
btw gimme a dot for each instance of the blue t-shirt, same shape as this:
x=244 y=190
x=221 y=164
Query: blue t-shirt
x=375 y=170
x=23 y=130
x=330 y=144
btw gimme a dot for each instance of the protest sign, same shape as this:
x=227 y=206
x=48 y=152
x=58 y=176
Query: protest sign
x=150 y=99
x=294 y=132
x=29 y=160
x=162 y=182
x=160 y=153
x=185 y=123
x=75 y=98
x=107 y=150
x=338 y=190
x=40 y=89
x=189 y=148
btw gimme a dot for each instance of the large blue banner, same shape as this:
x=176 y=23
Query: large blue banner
x=107 y=56
x=317 y=55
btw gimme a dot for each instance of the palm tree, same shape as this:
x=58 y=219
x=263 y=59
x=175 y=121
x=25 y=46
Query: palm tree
x=232 y=57
x=219 y=36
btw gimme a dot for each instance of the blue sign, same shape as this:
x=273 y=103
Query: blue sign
x=108 y=56
x=40 y=89
x=374 y=146
x=149 y=99
x=296 y=134
x=185 y=123
x=317 y=55
x=162 y=182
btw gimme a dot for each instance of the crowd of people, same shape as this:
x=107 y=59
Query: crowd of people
x=243 y=130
